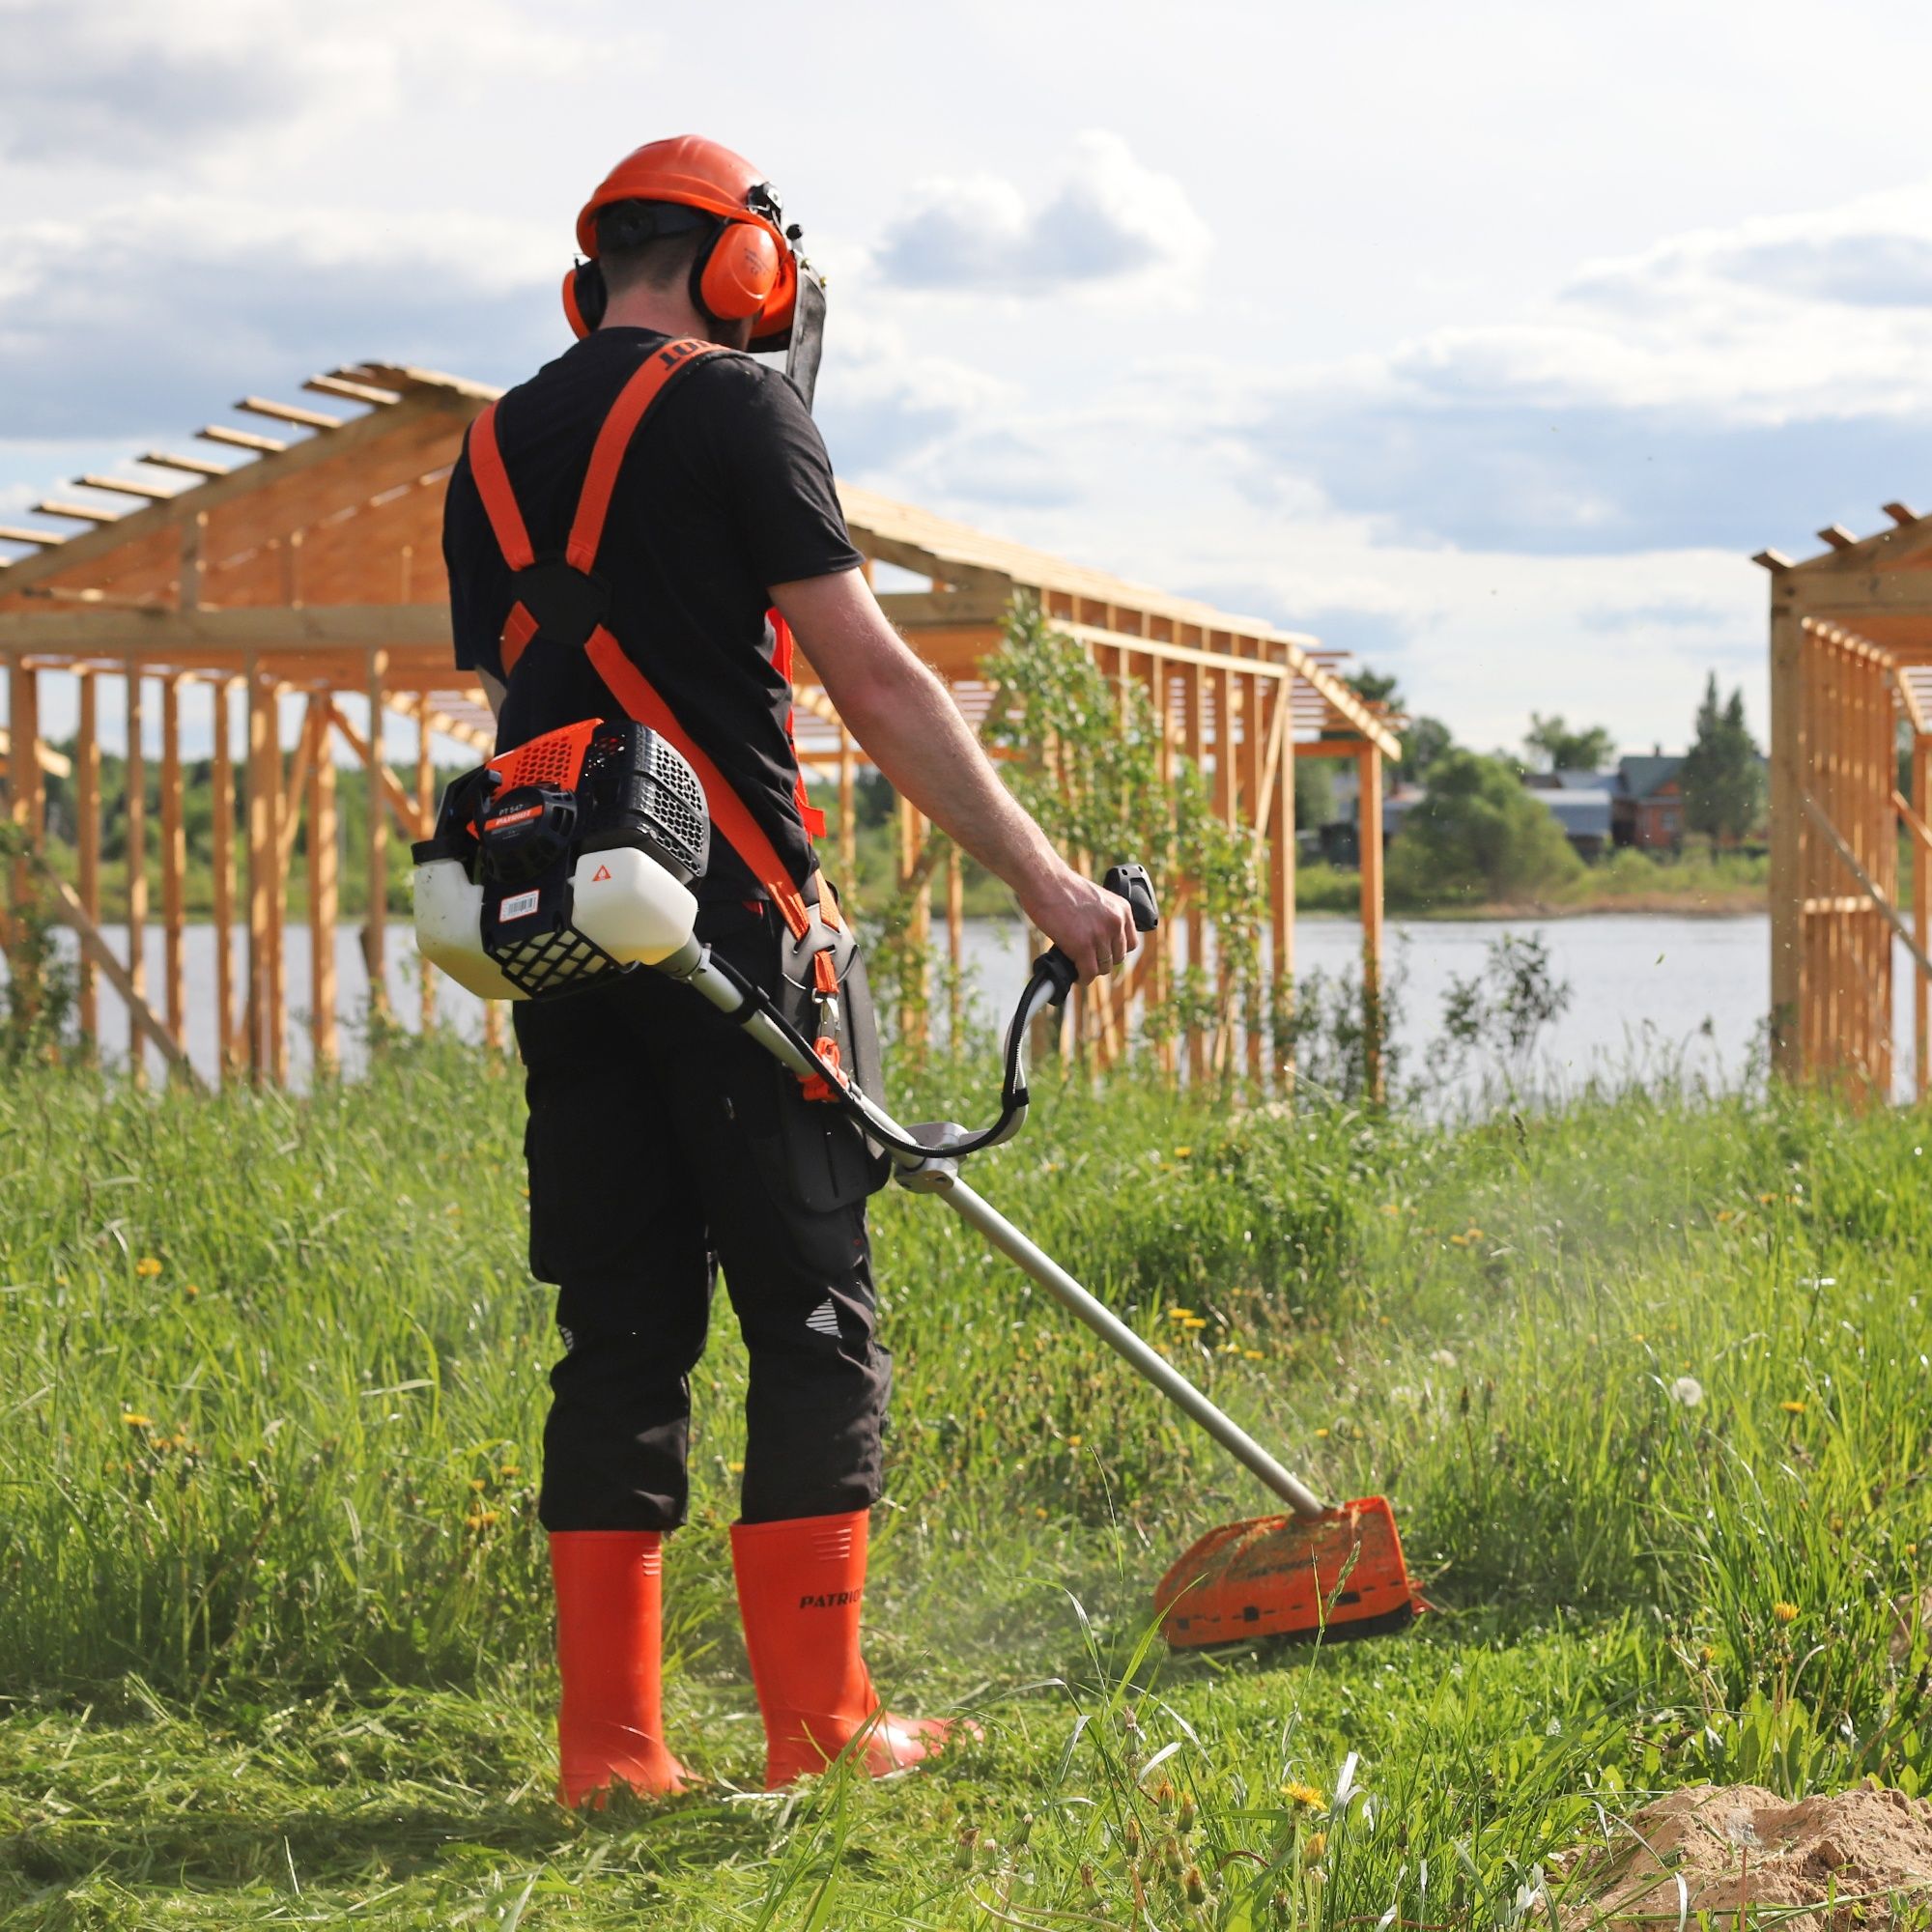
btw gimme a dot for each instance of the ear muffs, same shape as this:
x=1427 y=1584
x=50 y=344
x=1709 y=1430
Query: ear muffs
x=584 y=297
x=735 y=276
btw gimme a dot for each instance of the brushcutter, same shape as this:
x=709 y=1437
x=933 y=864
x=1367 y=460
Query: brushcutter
x=568 y=860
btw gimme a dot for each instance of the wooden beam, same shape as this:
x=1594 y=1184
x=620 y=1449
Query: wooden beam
x=135 y=821
x=323 y=889
x=19 y=533
x=270 y=628
x=289 y=461
x=292 y=789
x=221 y=839
x=383 y=798
x=1772 y=559
x=1816 y=813
x=388 y=785
x=241 y=438
x=56 y=764
x=1837 y=536
x=153 y=493
x=79 y=513
x=1900 y=512
x=911 y=609
x=191 y=466
x=1858 y=594
x=174 y=865
x=87 y=840
x=94 y=946
x=289 y=412
x=354 y=392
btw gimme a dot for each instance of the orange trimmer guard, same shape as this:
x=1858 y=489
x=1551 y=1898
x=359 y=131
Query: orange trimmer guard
x=1336 y=1576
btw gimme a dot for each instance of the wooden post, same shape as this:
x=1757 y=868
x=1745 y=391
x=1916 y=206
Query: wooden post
x=323 y=885
x=265 y=791
x=1253 y=755
x=1282 y=859
x=426 y=811
x=956 y=945
x=26 y=798
x=174 y=863
x=280 y=808
x=87 y=836
x=136 y=830
x=376 y=920
x=1788 y=880
x=848 y=828
x=1922 y=915
x=1160 y=964
x=221 y=841
x=1369 y=767
x=1194 y=687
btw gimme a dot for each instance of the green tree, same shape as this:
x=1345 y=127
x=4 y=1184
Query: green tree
x=1722 y=776
x=1314 y=793
x=1478 y=833
x=1562 y=749
x=1423 y=741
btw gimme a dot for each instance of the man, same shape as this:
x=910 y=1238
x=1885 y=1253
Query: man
x=657 y=1136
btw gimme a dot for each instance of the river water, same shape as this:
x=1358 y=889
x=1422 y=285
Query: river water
x=1649 y=994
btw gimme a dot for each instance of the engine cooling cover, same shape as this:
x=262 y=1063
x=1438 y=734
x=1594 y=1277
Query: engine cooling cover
x=564 y=863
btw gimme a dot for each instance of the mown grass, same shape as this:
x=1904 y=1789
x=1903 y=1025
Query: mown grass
x=273 y=1629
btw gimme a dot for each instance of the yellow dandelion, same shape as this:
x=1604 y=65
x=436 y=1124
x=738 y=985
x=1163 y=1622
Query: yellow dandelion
x=479 y=1484
x=1784 y=1613
x=147 y=1265
x=1317 y=1843
x=735 y=1468
x=1793 y=1407
x=1181 y=1315
x=189 y=1290
x=1075 y=1441
x=1195 y=1321
x=508 y=1470
x=1321 y=1435
x=481 y=1518
x=1765 y=1200
x=135 y=1420
x=1303 y=1796
x=1181 y=1152
x=1390 y=1208
x=1253 y=1355
x=1707 y=1655
x=1041 y=1513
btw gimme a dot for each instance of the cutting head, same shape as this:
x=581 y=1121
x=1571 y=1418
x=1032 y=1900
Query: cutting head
x=1335 y=1576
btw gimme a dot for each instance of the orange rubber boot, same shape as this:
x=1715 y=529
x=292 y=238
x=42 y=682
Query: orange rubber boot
x=610 y=1728
x=800 y=1585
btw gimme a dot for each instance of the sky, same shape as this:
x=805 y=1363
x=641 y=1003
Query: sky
x=1487 y=342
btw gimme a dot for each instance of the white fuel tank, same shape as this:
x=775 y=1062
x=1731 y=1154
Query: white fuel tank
x=624 y=901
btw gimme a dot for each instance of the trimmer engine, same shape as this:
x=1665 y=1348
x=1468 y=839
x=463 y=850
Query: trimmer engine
x=562 y=862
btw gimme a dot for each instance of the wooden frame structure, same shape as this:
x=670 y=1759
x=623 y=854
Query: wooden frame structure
x=1851 y=688
x=310 y=571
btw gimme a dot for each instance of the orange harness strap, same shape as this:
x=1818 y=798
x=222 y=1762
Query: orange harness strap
x=500 y=501
x=633 y=399
x=743 y=832
x=631 y=687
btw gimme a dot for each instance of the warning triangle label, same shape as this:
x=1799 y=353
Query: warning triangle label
x=602 y=873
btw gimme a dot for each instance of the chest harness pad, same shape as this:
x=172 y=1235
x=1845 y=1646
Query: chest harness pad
x=561 y=602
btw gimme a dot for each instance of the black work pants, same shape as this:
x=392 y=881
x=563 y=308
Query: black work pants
x=658 y=1151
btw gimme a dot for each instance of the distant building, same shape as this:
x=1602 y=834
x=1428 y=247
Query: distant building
x=1649 y=802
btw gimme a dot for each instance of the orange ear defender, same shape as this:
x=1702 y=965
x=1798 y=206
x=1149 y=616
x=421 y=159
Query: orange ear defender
x=748 y=270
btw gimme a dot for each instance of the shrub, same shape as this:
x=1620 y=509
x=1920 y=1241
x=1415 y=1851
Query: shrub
x=1477 y=833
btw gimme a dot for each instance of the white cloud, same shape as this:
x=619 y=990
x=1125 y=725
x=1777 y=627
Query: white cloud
x=1110 y=219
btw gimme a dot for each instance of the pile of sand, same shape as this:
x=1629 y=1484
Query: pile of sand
x=1856 y=1859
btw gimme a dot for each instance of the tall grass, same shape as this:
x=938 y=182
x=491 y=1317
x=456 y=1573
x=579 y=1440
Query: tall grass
x=1646 y=1381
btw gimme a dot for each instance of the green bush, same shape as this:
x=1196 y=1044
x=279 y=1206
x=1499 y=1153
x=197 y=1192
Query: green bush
x=1478 y=834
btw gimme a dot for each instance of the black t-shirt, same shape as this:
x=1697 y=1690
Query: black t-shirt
x=725 y=491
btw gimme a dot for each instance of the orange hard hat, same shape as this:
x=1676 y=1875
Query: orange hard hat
x=749 y=269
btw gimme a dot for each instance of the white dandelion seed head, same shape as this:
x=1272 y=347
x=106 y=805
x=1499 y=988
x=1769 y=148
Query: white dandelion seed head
x=1688 y=1391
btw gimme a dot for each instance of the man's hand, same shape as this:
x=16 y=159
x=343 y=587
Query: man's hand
x=1092 y=925
x=905 y=718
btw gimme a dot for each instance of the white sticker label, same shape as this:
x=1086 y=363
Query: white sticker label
x=519 y=905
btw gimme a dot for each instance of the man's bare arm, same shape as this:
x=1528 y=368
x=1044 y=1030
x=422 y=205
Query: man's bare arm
x=905 y=717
